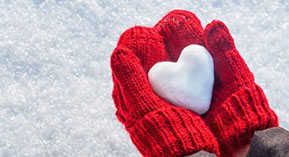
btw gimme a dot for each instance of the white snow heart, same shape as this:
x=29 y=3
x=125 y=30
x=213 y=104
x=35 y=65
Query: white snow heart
x=187 y=82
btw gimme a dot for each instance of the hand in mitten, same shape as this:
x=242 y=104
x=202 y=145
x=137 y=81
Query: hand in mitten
x=156 y=127
x=239 y=106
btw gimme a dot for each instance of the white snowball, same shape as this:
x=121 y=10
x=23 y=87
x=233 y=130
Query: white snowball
x=188 y=82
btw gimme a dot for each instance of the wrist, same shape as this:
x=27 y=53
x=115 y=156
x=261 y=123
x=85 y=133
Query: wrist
x=172 y=131
x=234 y=121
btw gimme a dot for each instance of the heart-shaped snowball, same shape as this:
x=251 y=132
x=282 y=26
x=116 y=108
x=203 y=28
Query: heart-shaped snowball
x=187 y=82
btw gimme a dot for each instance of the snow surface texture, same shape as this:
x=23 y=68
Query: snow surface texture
x=187 y=82
x=55 y=78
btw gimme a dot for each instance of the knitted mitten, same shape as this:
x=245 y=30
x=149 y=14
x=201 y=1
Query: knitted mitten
x=239 y=106
x=156 y=127
x=147 y=45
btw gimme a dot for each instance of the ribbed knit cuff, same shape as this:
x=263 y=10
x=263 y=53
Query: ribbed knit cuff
x=235 y=120
x=172 y=131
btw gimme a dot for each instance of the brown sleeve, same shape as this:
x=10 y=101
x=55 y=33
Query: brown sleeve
x=272 y=142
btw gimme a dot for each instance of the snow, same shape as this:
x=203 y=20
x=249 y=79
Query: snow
x=188 y=82
x=55 y=79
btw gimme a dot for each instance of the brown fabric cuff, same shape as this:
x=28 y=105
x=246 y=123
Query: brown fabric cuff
x=271 y=142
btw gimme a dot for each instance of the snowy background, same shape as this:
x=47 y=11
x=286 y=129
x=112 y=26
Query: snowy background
x=55 y=78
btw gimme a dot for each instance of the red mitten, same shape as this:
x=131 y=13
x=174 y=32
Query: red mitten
x=147 y=45
x=156 y=127
x=239 y=106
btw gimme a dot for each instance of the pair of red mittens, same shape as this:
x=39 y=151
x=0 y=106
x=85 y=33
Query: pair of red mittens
x=158 y=128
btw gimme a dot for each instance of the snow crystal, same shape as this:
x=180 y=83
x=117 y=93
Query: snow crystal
x=55 y=79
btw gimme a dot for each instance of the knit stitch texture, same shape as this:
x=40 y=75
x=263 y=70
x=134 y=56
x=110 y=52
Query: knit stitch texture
x=156 y=127
x=239 y=106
